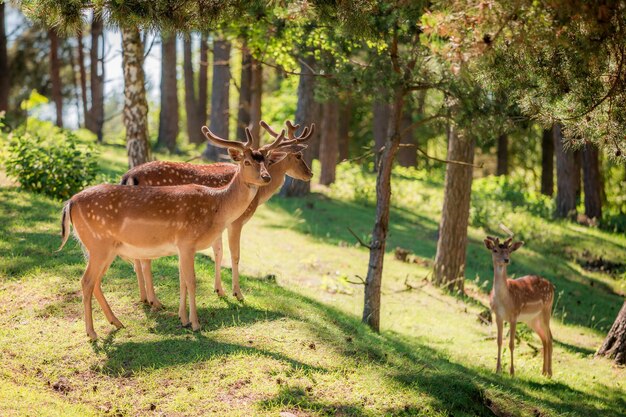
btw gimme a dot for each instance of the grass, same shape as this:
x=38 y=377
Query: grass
x=296 y=345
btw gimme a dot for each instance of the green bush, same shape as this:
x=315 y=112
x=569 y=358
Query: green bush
x=54 y=162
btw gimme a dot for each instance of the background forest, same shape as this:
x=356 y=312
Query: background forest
x=436 y=124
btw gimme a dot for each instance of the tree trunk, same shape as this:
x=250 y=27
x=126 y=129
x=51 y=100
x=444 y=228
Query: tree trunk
x=373 y=282
x=4 y=64
x=307 y=112
x=614 y=346
x=83 y=75
x=407 y=155
x=168 y=116
x=55 y=76
x=565 y=177
x=380 y=126
x=245 y=90
x=503 y=155
x=256 y=96
x=449 y=268
x=203 y=86
x=592 y=182
x=344 y=129
x=329 y=141
x=578 y=169
x=94 y=119
x=135 y=103
x=191 y=104
x=547 y=163
x=219 y=96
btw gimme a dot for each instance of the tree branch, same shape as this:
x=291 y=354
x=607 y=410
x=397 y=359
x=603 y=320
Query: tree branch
x=359 y=239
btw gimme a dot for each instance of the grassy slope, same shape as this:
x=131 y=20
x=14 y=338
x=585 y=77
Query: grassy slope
x=296 y=344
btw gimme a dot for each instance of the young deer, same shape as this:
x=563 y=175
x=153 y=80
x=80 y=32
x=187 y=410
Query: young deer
x=150 y=222
x=527 y=299
x=285 y=159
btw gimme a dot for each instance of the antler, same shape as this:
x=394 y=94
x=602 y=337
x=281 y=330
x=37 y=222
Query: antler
x=291 y=129
x=225 y=143
x=277 y=143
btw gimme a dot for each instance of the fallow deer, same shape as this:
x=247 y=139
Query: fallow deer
x=150 y=222
x=527 y=299
x=213 y=175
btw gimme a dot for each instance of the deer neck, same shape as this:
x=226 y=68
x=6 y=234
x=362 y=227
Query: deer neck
x=238 y=195
x=500 y=287
x=277 y=171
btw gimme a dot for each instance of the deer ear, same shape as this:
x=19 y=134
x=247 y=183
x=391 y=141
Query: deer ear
x=489 y=244
x=516 y=246
x=275 y=157
x=235 y=154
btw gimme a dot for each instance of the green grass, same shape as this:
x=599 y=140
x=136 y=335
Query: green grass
x=297 y=344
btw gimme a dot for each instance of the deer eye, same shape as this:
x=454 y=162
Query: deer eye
x=299 y=156
x=495 y=250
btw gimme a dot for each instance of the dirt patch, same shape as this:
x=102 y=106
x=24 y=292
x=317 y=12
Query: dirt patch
x=594 y=263
x=405 y=255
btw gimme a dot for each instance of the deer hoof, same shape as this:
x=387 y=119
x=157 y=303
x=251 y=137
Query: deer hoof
x=92 y=335
x=239 y=296
x=195 y=327
x=156 y=305
x=220 y=292
x=118 y=324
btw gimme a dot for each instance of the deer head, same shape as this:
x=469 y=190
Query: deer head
x=296 y=167
x=501 y=252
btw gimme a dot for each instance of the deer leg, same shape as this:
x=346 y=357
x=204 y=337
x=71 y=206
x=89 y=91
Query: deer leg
x=546 y=328
x=95 y=266
x=182 y=303
x=500 y=325
x=146 y=266
x=512 y=329
x=537 y=326
x=218 y=252
x=234 y=241
x=102 y=301
x=188 y=275
x=140 y=280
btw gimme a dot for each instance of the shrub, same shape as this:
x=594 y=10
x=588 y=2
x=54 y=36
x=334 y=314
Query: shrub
x=57 y=164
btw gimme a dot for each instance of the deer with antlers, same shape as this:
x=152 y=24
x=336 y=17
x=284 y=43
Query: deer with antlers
x=527 y=299
x=285 y=159
x=151 y=222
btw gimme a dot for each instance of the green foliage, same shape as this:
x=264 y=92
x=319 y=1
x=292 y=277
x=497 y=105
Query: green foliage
x=50 y=160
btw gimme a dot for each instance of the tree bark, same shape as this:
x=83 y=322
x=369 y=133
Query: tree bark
x=547 y=163
x=191 y=104
x=135 y=103
x=83 y=75
x=503 y=155
x=329 y=141
x=565 y=177
x=380 y=126
x=407 y=155
x=219 y=96
x=344 y=129
x=245 y=91
x=168 y=116
x=373 y=282
x=4 y=64
x=203 y=86
x=614 y=346
x=592 y=182
x=94 y=118
x=256 y=96
x=55 y=76
x=449 y=268
x=307 y=112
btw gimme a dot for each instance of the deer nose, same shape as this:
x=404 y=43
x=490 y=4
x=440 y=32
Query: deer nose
x=506 y=261
x=266 y=178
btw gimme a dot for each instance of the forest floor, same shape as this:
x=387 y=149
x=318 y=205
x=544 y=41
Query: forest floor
x=296 y=345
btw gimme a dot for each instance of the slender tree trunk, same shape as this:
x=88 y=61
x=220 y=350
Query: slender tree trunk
x=191 y=104
x=407 y=155
x=329 y=141
x=219 y=96
x=547 y=163
x=203 y=86
x=307 y=112
x=565 y=177
x=373 y=282
x=135 y=103
x=614 y=346
x=344 y=129
x=256 y=96
x=55 y=76
x=83 y=75
x=380 y=128
x=94 y=119
x=578 y=169
x=503 y=155
x=168 y=117
x=449 y=268
x=592 y=182
x=4 y=64
x=245 y=91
